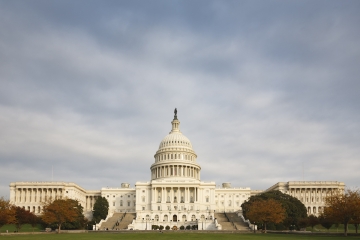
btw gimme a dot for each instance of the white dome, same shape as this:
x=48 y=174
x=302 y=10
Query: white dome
x=175 y=139
x=175 y=157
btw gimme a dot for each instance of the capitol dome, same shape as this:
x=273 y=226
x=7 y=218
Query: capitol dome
x=175 y=156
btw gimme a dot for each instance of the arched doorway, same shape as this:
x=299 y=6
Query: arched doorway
x=175 y=218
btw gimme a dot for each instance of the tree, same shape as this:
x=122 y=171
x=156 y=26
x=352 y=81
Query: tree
x=80 y=220
x=294 y=208
x=266 y=211
x=33 y=220
x=343 y=206
x=325 y=221
x=7 y=212
x=101 y=209
x=22 y=217
x=60 y=211
x=313 y=221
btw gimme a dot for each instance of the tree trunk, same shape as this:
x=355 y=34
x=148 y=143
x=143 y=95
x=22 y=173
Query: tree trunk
x=59 y=228
x=356 y=227
x=345 y=228
x=265 y=227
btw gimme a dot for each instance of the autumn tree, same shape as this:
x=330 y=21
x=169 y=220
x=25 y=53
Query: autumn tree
x=60 y=211
x=313 y=221
x=22 y=217
x=343 y=207
x=80 y=221
x=7 y=213
x=294 y=208
x=101 y=208
x=266 y=211
x=325 y=221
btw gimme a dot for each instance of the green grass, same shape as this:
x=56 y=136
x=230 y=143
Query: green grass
x=24 y=228
x=167 y=236
x=333 y=229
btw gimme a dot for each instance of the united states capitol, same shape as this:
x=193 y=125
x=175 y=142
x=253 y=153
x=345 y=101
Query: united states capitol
x=174 y=196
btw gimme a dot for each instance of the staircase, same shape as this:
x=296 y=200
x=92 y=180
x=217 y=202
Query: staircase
x=224 y=222
x=110 y=223
x=231 y=221
x=239 y=223
x=129 y=217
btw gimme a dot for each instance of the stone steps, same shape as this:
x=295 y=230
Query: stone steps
x=126 y=221
x=110 y=223
x=228 y=225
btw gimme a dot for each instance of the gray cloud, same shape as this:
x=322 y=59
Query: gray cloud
x=264 y=90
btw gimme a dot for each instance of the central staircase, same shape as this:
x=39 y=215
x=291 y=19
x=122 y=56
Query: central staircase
x=231 y=221
x=118 y=221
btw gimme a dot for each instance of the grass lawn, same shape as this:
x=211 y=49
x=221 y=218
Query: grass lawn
x=24 y=228
x=167 y=236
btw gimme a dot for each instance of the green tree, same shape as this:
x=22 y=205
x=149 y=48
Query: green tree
x=343 y=206
x=294 y=208
x=325 y=221
x=101 y=209
x=59 y=212
x=313 y=221
x=266 y=211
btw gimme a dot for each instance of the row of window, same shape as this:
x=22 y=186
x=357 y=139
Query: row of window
x=174 y=156
x=167 y=143
x=236 y=196
x=120 y=196
x=229 y=203
x=122 y=203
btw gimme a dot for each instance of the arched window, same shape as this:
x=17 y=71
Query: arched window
x=229 y=203
x=166 y=218
x=156 y=218
x=193 y=218
x=207 y=198
x=183 y=218
x=314 y=210
x=147 y=217
x=202 y=217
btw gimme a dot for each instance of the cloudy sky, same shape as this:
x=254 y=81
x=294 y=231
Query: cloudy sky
x=266 y=91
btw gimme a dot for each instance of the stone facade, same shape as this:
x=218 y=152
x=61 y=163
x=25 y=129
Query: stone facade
x=311 y=193
x=174 y=196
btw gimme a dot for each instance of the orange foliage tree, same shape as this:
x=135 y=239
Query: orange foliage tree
x=266 y=211
x=343 y=207
x=7 y=212
x=60 y=211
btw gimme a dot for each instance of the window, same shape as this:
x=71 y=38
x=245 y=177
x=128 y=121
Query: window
x=143 y=208
x=128 y=196
x=143 y=198
x=143 y=191
x=128 y=204
x=158 y=208
x=121 y=203
x=207 y=199
x=113 y=195
x=113 y=204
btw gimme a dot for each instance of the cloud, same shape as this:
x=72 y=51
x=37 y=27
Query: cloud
x=265 y=91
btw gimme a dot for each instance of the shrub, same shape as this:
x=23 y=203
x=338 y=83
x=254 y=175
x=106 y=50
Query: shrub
x=193 y=227
x=167 y=227
x=270 y=226
x=182 y=227
x=188 y=227
x=280 y=227
x=161 y=227
x=154 y=227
